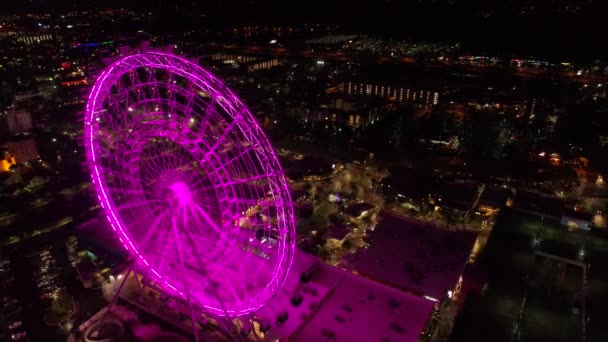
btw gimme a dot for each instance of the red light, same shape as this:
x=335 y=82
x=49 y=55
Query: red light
x=73 y=83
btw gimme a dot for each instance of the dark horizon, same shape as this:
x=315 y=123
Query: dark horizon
x=553 y=30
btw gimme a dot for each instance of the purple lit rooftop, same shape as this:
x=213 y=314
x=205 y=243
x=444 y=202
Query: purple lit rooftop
x=359 y=309
x=351 y=307
x=414 y=256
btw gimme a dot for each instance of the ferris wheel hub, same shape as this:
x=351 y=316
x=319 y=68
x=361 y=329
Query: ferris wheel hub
x=182 y=193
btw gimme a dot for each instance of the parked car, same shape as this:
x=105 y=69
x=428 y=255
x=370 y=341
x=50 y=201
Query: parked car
x=15 y=325
x=20 y=336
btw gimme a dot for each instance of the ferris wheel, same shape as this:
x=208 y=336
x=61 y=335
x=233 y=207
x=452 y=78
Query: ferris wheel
x=189 y=183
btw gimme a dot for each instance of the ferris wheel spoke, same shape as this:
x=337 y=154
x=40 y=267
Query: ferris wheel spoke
x=177 y=245
x=164 y=247
x=205 y=216
x=249 y=179
x=208 y=112
x=209 y=277
x=112 y=173
x=130 y=205
x=113 y=105
x=125 y=95
x=246 y=202
x=151 y=73
x=201 y=240
x=154 y=227
x=184 y=277
x=202 y=180
x=210 y=209
x=132 y=99
x=163 y=244
x=190 y=97
x=171 y=100
x=226 y=132
x=238 y=157
x=131 y=192
x=135 y=226
x=191 y=236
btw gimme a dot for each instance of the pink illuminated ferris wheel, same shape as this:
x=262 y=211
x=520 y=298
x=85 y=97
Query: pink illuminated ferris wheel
x=189 y=183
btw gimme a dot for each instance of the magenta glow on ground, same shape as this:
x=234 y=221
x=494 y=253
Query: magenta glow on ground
x=327 y=299
x=414 y=256
x=358 y=309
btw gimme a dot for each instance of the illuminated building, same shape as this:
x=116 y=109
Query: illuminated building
x=23 y=150
x=354 y=120
x=26 y=96
x=577 y=220
x=399 y=94
x=6 y=163
x=229 y=58
x=19 y=121
x=31 y=38
x=262 y=65
x=248 y=63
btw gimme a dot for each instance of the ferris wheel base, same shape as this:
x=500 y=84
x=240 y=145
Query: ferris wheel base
x=134 y=288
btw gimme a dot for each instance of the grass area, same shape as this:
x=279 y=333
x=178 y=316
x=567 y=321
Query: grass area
x=553 y=287
x=60 y=310
x=542 y=323
x=485 y=319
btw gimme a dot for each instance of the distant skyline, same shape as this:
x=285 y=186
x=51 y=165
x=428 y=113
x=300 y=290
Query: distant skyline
x=317 y=9
x=553 y=29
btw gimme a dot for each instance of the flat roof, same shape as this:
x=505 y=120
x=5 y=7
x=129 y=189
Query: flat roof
x=352 y=307
x=359 y=309
x=494 y=195
x=414 y=255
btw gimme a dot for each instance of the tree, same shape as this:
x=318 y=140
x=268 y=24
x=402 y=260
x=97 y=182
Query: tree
x=450 y=217
x=481 y=130
x=347 y=243
x=323 y=253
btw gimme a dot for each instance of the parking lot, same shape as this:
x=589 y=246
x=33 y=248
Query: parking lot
x=10 y=306
x=35 y=276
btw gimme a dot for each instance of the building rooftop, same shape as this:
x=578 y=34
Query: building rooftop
x=495 y=196
x=544 y=204
x=414 y=256
x=359 y=309
x=334 y=302
x=459 y=195
x=410 y=182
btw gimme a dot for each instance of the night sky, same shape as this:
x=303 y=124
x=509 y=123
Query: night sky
x=551 y=29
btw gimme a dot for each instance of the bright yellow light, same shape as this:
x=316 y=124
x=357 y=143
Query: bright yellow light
x=599 y=181
x=5 y=164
